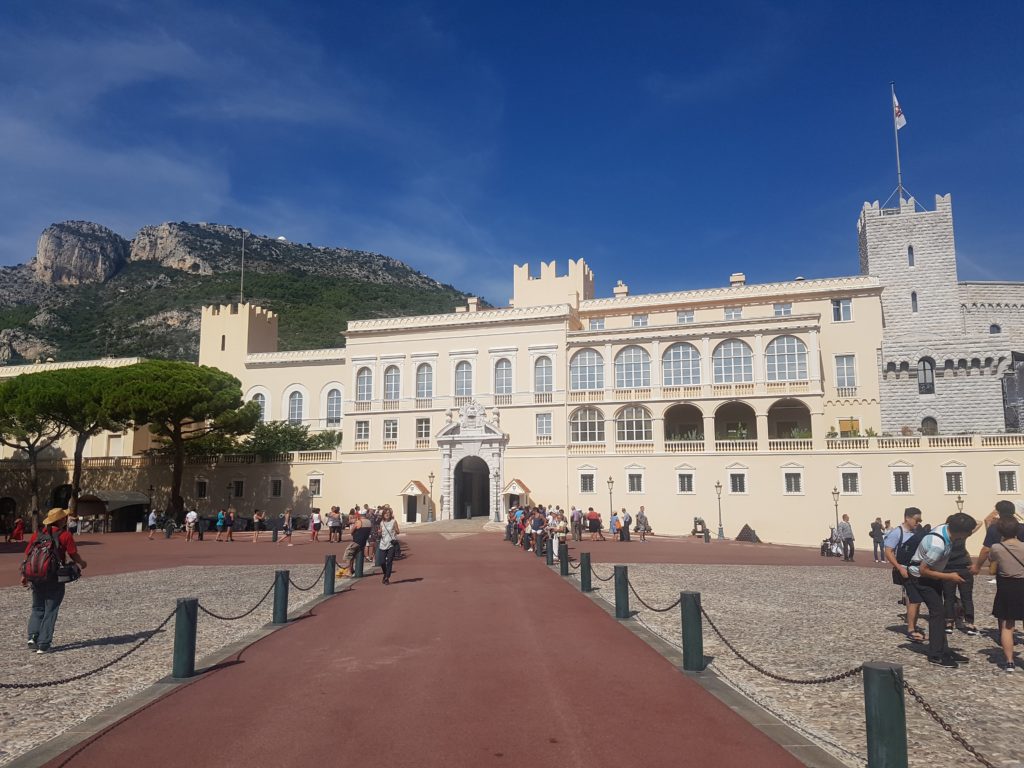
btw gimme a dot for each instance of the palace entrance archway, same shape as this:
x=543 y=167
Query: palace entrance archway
x=472 y=457
x=471 y=493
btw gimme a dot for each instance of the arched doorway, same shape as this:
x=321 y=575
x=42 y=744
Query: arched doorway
x=684 y=421
x=735 y=420
x=789 y=419
x=472 y=491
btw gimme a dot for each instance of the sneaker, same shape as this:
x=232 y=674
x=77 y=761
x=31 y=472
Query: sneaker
x=949 y=630
x=972 y=631
x=41 y=649
x=31 y=643
x=943 y=661
x=958 y=657
x=992 y=581
x=1008 y=667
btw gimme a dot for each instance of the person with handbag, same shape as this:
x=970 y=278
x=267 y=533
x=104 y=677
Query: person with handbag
x=1008 y=606
x=46 y=570
x=388 y=543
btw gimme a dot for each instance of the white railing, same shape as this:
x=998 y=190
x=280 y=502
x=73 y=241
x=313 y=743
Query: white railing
x=422 y=442
x=313 y=456
x=424 y=402
x=540 y=398
x=586 y=449
x=790 y=444
x=463 y=400
x=361 y=405
x=586 y=396
x=687 y=392
x=543 y=439
x=846 y=391
x=390 y=445
x=238 y=458
x=362 y=445
x=640 y=393
x=634 y=448
x=735 y=446
x=847 y=443
x=951 y=441
x=503 y=399
x=391 y=405
x=684 y=446
x=899 y=442
x=1001 y=441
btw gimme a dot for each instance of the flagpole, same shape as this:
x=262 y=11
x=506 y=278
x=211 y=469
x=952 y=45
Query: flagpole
x=896 y=135
x=241 y=281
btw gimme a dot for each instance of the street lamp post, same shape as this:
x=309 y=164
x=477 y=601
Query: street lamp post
x=718 y=492
x=430 y=510
x=835 y=500
x=959 y=503
x=611 y=507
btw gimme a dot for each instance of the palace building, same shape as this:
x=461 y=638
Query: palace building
x=750 y=401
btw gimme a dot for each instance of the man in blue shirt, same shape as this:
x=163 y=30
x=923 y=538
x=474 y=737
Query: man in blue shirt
x=926 y=571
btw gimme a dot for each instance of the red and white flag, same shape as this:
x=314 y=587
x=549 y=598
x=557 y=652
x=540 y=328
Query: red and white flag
x=897 y=113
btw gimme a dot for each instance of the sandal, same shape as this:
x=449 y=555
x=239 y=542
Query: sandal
x=916 y=636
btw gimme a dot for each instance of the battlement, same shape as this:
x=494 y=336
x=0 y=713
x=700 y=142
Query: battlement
x=235 y=308
x=550 y=288
x=908 y=207
x=229 y=332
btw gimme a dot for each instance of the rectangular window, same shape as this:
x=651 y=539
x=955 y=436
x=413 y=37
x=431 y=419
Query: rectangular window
x=851 y=482
x=543 y=425
x=954 y=482
x=734 y=313
x=901 y=482
x=314 y=486
x=1007 y=481
x=275 y=488
x=597 y=323
x=639 y=321
x=422 y=429
x=390 y=429
x=846 y=370
x=842 y=310
x=684 y=316
x=794 y=483
x=237 y=488
x=737 y=482
x=202 y=489
x=849 y=427
x=684 y=482
x=635 y=481
x=362 y=430
x=783 y=310
x=586 y=483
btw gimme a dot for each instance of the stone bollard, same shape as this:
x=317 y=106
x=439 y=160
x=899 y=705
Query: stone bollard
x=885 y=715
x=330 y=567
x=563 y=559
x=549 y=552
x=621 y=592
x=693 y=631
x=357 y=564
x=585 y=584
x=538 y=548
x=280 y=597
x=186 y=618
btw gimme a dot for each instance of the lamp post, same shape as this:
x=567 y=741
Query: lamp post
x=149 y=493
x=835 y=500
x=230 y=488
x=430 y=509
x=959 y=503
x=718 y=492
x=611 y=507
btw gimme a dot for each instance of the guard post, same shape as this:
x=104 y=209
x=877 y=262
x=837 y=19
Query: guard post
x=885 y=715
x=280 y=597
x=585 y=585
x=330 y=566
x=186 y=617
x=693 y=631
x=621 y=592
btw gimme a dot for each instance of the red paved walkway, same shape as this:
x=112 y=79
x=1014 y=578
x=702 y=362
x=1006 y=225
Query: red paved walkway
x=475 y=655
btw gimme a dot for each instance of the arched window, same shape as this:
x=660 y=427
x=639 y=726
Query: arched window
x=929 y=426
x=334 y=408
x=680 y=366
x=392 y=383
x=632 y=368
x=424 y=381
x=586 y=370
x=295 y=408
x=586 y=426
x=926 y=376
x=503 y=377
x=733 y=362
x=543 y=375
x=913 y=302
x=633 y=425
x=910 y=255
x=260 y=399
x=786 y=359
x=464 y=379
x=364 y=385
x=994 y=329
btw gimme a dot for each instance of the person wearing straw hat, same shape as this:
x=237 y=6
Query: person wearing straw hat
x=48 y=595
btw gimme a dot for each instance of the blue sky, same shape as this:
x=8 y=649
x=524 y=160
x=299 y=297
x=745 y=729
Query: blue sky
x=668 y=144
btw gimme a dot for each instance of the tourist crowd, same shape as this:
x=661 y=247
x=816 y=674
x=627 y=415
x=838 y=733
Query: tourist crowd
x=534 y=528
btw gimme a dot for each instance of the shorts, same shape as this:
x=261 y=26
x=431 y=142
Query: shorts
x=913 y=593
x=594 y=526
x=152 y=527
x=350 y=551
x=220 y=526
x=190 y=526
x=316 y=526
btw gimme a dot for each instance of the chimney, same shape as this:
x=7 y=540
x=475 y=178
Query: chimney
x=620 y=290
x=737 y=279
x=472 y=304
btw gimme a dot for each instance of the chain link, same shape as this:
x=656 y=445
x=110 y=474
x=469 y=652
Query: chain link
x=651 y=607
x=208 y=612
x=946 y=726
x=306 y=589
x=574 y=565
x=809 y=681
x=599 y=578
x=91 y=672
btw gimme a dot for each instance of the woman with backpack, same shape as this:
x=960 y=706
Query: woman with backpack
x=46 y=553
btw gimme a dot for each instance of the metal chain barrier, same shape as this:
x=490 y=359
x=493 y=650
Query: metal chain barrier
x=210 y=613
x=599 y=578
x=651 y=607
x=946 y=726
x=574 y=565
x=306 y=589
x=809 y=681
x=91 y=672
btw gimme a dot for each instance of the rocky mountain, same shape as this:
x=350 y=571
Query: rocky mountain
x=90 y=293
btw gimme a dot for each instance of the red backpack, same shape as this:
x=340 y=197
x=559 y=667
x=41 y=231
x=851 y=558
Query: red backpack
x=43 y=558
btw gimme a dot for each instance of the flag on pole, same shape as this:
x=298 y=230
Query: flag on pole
x=897 y=112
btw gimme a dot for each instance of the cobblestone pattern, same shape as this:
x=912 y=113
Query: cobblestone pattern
x=102 y=617
x=809 y=622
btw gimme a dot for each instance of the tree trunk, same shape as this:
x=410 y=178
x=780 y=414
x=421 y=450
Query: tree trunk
x=177 y=469
x=33 y=477
x=76 y=472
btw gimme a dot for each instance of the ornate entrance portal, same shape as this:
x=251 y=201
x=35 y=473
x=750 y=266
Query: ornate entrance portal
x=472 y=457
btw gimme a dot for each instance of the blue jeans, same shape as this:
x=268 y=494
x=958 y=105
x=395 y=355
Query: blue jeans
x=46 y=599
x=879 y=550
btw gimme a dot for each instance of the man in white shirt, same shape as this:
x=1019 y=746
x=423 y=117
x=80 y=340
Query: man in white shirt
x=152 y=523
x=190 y=524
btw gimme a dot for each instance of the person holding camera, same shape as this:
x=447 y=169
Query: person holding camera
x=45 y=571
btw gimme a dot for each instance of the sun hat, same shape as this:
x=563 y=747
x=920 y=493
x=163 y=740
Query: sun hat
x=55 y=515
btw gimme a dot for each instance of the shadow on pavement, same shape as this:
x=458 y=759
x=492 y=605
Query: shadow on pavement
x=112 y=640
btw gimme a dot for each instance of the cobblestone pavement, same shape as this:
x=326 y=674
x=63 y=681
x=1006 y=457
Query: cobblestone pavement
x=104 y=616
x=811 y=622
